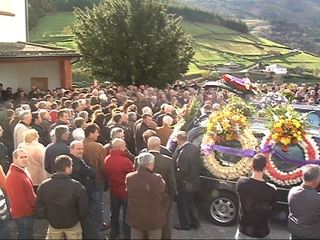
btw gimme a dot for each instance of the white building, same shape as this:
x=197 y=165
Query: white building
x=229 y=67
x=276 y=68
x=24 y=64
x=13 y=24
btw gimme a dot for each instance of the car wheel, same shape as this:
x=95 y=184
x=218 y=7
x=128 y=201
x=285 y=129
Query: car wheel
x=223 y=210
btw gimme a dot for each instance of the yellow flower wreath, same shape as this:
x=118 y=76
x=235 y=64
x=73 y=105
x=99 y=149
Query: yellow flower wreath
x=241 y=168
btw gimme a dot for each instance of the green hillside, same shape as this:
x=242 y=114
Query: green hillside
x=214 y=45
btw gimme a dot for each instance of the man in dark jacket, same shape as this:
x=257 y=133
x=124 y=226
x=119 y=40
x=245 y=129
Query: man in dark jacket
x=62 y=201
x=60 y=147
x=63 y=119
x=140 y=129
x=187 y=160
x=151 y=133
x=35 y=124
x=7 y=136
x=164 y=166
x=304 y=208
x=85 y=174
x=118 y=133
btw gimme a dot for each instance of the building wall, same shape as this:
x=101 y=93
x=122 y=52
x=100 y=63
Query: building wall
x=13 y=28
x=276 y=70
x=19 y=74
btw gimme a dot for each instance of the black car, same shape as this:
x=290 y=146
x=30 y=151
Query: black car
x=218 y=197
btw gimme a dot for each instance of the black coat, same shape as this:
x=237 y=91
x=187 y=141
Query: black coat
x=85 y=174
x=43 y=137
x=58 y=148
x=163 y=150
x=59 y=123
x=62 y=201
x=4 y=158
x=156 y=107
x=187 y=162
x=128 y=132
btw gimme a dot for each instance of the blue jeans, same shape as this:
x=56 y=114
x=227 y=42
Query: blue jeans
x=90 y=226
x=116 y=204
x=4 y=229
x=25 y=227
x=100 y=191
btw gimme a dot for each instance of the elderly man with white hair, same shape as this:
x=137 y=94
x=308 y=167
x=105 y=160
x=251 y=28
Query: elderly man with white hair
x=164 y=166
x=16 y=119
x=185 y=98
x=155 y=105
x=95 y=92
x=143 y=201
x=303 y=200
x=145 y=110
x=168 y=111
x=22 y=127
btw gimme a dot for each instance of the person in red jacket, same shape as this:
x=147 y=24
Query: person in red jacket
x=117 y=165
x=21 y=195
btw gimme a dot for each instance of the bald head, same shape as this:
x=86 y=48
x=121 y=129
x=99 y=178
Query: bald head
x=182 y=137
x=168 y=108
x=154 y=143
x=118 y=144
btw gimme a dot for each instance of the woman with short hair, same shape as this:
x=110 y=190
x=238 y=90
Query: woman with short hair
x=36 y=152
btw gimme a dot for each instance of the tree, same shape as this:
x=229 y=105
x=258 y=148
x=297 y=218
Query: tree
x=133 y=42
x=36 y=10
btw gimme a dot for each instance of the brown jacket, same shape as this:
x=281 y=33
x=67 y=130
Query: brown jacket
x=94 y=154
x=164 y=133
x=145 y=207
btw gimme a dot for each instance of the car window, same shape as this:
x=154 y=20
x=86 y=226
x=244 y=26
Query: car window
x=313 y=118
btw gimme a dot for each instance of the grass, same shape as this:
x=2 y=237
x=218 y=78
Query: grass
x=52 y=25
x=214 y=45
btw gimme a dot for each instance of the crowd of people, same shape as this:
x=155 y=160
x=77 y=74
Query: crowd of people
x=61 y=150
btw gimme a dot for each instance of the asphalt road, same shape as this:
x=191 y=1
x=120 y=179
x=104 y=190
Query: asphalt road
x=210 y=231
x=207 y=230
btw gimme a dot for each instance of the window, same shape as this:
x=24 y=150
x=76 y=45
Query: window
x=40 y=82
x=6 y=8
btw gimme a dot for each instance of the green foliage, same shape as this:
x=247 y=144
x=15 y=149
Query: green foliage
x=190 y=13
x=237 y=104
x=38 y=8
x=133 y=42
x=51 y=26
x=69 y=5
x=189 y=113
x=214 y=46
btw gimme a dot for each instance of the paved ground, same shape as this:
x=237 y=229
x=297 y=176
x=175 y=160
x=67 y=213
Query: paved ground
x=207 y=230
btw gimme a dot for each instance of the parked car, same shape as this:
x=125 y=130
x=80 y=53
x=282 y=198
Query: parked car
x=313 y=110
x=218 y=198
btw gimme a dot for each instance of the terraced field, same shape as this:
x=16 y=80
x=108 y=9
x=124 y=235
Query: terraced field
x=214 y=45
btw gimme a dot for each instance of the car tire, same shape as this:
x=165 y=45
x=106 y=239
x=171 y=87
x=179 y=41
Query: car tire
x=223 y=209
